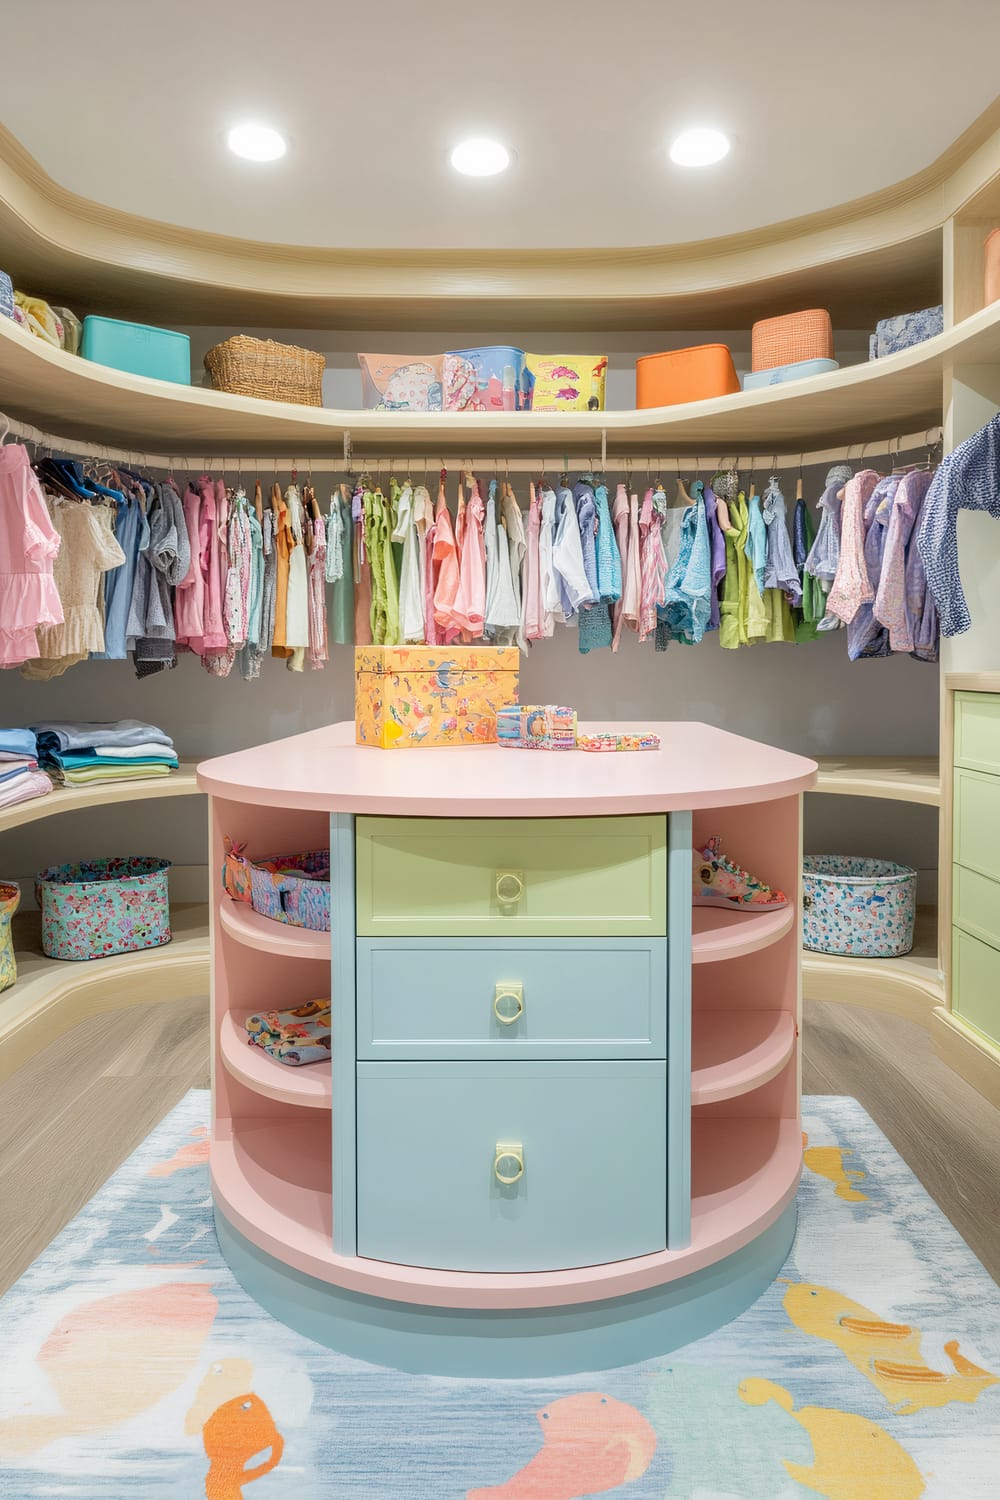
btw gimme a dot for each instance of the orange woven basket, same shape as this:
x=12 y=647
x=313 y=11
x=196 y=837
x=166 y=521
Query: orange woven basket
x=259 y=367
x=991 y=256
x=793 y=337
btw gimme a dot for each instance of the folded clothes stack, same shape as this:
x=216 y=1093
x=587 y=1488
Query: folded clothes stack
x=20 y=778
x=82 y=754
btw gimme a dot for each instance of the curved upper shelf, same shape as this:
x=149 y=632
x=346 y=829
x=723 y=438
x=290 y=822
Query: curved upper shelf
x=879 y=254
x=896 y=778
x=324 y=770
x=718 y=934
x=63 y=799
x=77 y=398
x=310 y=1086
x=254 y=931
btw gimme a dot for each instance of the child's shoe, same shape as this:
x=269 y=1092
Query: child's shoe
x=718 y=881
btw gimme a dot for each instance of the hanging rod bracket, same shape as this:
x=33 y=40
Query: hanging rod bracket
x=604 y=449
x=347 y=447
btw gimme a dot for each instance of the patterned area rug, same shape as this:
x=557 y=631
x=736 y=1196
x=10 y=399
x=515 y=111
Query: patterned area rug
x=135 y=1366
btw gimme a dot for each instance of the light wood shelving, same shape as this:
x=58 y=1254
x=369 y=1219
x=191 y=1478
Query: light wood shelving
x=74 y=397
x=67 y=799
x=910 y=986
x=51 y=995
x=895 y=778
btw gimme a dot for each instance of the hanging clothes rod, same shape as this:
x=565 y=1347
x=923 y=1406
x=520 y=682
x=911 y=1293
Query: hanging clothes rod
x=703 y=463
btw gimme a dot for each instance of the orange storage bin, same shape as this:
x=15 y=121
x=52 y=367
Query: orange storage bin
x=991 y=256
x=790 y=338
x=685 y=375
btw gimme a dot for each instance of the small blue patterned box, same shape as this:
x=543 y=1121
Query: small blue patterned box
x=893 y=334
x=6 y=295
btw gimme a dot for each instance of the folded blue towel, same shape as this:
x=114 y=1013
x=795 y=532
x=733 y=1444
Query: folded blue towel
x=17 y=741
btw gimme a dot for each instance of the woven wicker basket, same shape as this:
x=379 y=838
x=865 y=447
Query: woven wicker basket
x=259 y=367
x=791 y=338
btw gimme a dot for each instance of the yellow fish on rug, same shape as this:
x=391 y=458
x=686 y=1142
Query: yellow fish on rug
x=887 y=1354
x=853 y=1459
x=828 y=1162
x=113 y=1358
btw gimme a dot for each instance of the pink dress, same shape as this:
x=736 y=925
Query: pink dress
x=852 y=586
x=214 y=515
x=189 y=597
x=470 y=600
x=446 y=561
x=28 y=546
x=318 y=649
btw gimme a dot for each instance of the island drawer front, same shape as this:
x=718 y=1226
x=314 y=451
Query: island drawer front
x=512 y=877
x=976 y=904
x=543 y=997
x=436 y=1143
x=977 y=822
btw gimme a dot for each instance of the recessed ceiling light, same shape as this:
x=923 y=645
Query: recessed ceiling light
x=699 y=148
x=256 y=142
x=480 y=158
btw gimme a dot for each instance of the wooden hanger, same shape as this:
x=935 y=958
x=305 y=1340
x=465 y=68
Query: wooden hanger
x=258 y=501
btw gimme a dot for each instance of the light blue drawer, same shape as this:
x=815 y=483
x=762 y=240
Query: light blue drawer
x=478 y=998
x=592 y=1137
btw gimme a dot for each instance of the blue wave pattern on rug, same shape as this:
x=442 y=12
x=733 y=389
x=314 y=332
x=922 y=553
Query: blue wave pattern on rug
x=134 y=1365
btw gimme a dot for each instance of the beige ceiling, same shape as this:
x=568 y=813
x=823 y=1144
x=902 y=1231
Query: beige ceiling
x=127 y=102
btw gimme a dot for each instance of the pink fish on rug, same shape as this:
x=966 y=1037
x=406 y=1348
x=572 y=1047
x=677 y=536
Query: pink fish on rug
x=592 y=1444
x=110 y=1359
x=195 y=1154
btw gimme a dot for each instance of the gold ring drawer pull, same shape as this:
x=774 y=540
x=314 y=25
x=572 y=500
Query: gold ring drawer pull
x=508 y=1162
x=508 y=1003
x=509 y=887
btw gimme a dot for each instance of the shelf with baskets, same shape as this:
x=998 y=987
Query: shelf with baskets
x=62 y=392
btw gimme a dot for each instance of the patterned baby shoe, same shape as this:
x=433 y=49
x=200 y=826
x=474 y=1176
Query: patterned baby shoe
x=719 y=881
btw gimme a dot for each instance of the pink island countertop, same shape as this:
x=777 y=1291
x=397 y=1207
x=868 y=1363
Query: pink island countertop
x=696 y=766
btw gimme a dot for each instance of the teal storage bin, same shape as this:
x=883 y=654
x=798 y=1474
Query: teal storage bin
x=159 y=353
x=800 y=370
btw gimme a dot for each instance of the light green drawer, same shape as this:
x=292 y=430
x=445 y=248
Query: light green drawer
x=975 y=983
x=503 y=877
x=977 y=731
x=976 y=904
x=977 y=822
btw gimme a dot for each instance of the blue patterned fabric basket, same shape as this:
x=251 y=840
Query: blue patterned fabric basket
x=293 y=888
x=104 y=906
x=6 y=295
x=862 y=908
x=893 y=334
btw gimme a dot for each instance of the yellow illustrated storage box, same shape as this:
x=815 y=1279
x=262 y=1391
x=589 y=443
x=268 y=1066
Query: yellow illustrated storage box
x=406 y=696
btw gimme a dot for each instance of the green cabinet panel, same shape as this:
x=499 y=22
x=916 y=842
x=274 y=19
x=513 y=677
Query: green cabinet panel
x=976 y=983
x=977 y=822
x=977 y=731
x=976 y=904
x=503 y=877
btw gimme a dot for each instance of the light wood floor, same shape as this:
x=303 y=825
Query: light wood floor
x=78 y=1109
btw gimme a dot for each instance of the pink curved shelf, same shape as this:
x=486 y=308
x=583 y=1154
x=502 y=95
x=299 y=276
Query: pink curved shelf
x=717 y=934
x=272 y=1181
x=696 y=766
x=310 y=1086
x=735 y=1051
x=250 y=928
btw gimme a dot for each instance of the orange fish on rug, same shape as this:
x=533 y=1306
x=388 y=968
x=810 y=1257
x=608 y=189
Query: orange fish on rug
x=591 y=1444
x=225 y=1380
x=853 y=1459
x=194 y=1154
x=828 y=1162
x=887 y=1354
x=113 y=1358
x=233 y=1434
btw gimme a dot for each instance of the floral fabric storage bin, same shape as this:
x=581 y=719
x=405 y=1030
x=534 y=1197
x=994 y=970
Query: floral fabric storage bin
x=104 y=906
x=861 y=908
x=292 y=888
x=895 y=334
x=10 y=900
